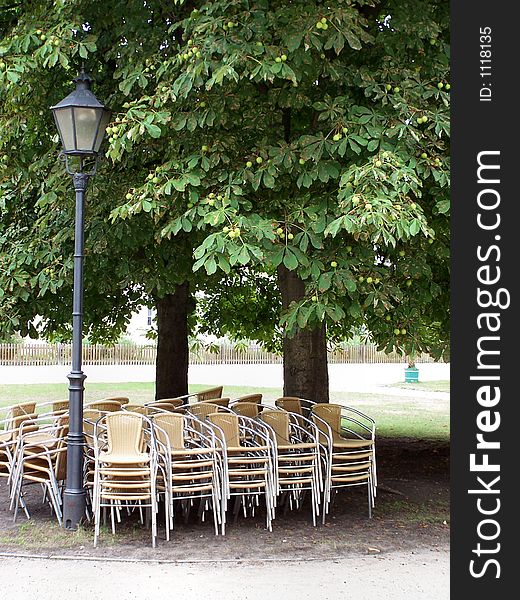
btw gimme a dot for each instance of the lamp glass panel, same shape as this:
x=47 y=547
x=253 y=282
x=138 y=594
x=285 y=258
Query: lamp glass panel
x=105 y=120
x=86 y=120
x=63 y=118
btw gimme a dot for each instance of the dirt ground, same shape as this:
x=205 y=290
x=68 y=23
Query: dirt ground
x=411 y=516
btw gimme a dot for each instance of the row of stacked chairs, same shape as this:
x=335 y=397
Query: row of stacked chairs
x=199 y=452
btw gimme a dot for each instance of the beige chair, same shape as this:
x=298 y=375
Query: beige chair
x=137 y=408
x=41 y=457
x=18 y=410
x=255 y=398
x=290 y=404
x=169 y=404
x=216 y=402
x=60 y=407
x=90 y=417
x=246 y=409
x=249 y=470
x=192 y=470
x=104 y=405
x=9 y=439
x=120 y=399
x=298 y=461
x=210 y=393
x=349 y=437
x=201 y=410
x=126 y=466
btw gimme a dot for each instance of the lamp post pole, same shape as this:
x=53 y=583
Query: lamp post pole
x=74 y=497
x=81 y=120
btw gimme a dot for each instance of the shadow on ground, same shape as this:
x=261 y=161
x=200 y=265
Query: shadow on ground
x=412 y=512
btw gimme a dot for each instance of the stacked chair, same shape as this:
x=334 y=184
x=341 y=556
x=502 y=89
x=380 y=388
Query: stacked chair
x=125 y=469
x=41 y=458
x=10 y=431
x=249 y=467
x=192 y=466
x=349 y=437
x=297 y=451
x=200 y=453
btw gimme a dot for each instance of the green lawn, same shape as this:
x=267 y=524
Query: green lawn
x=395 y=416
x=426 y=386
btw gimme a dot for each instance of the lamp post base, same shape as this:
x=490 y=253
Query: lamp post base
x=74 y=507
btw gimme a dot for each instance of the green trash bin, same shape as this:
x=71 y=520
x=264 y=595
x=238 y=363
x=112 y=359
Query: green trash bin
x=411 y=375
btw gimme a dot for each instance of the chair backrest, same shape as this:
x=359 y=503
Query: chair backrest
x=60 y=406
x=229 y=425
x=121 y=399
x=60 y=466
x=137 y=408
x=201 y=410
x=216 y=402
x=16 y=422
x=166 y=403
x=124 y=432
x=290 y=404
x=19 y=410
x=246 y=409
x=278 y=420
x=256 y=398
x=171 y=425
x=210 y=393
x=330 y=413
x=105 y=405
x=90 y=416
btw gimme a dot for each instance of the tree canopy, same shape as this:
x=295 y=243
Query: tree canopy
x=247 y=136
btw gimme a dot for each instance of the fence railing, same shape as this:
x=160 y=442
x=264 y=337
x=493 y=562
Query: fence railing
x=129 y=354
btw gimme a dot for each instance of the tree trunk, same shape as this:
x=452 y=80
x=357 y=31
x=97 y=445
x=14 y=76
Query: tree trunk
x=305 y=372
x=171 y=367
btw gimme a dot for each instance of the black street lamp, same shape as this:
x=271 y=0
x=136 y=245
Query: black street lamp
x=81 y=120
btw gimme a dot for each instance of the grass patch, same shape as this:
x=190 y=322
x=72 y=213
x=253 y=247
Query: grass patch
x=395 y=416
x=425 y=386
x=35 y=534
x=138 y=392
x=433 y=512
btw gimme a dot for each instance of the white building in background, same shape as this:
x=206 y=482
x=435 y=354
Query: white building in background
x=140 y=324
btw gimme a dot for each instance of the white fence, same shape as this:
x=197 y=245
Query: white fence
x=128 y=354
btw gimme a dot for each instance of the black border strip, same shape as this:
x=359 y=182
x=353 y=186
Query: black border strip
x=484 y=126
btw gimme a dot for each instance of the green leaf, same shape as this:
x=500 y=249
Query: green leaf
x=268 y=180
x=293 y=41
x=415 y=226
x=354 y=310
x=243 y=256
x=210 y=265
x=324 y=281
x=290 y=260
x=353 y=41
x=153 y=130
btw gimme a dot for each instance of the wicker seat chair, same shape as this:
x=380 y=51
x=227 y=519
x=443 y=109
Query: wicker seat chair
x=9 y=433
x=104 y=405
x=125 y=474
x=349 y=437
x=41 y=457
x=169 y=404
x=249 y=464
x=298 y=457
x=246 y=409
x=210 y=393
x=193 y=470
x=256 y=398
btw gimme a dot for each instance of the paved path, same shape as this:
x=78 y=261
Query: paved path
x=423 y=575
x=343 y=377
